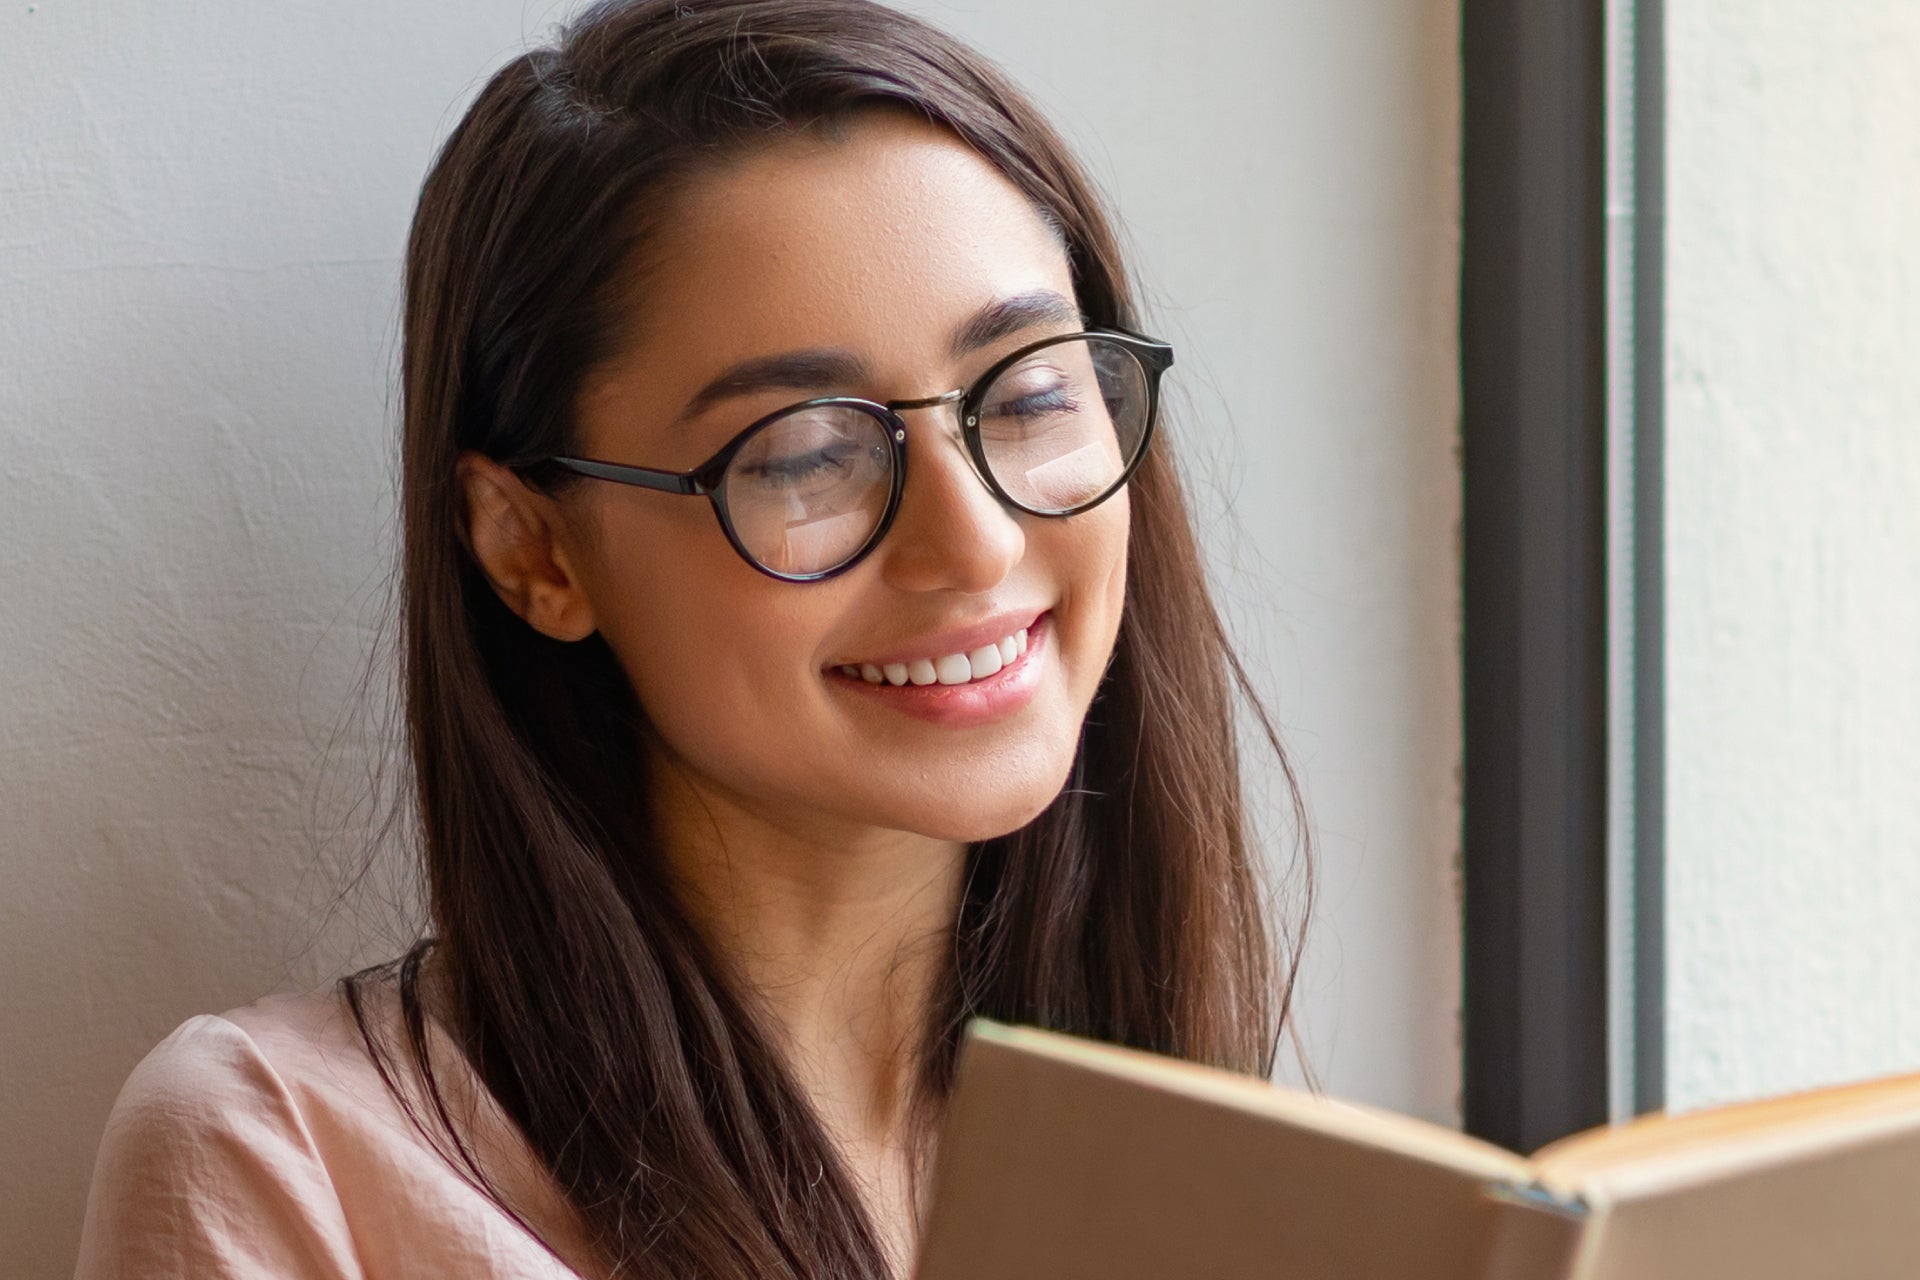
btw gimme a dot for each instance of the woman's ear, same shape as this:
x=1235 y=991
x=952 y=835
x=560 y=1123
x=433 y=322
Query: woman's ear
x=516 y=535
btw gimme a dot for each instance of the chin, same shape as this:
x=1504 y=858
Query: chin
x=972 y=818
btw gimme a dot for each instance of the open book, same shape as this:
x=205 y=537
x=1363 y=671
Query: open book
x=1067 y=1159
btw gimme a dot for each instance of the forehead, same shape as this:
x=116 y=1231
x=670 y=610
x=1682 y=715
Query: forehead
x=882 y=233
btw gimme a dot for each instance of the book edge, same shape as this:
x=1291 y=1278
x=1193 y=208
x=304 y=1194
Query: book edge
x=1407 y=1136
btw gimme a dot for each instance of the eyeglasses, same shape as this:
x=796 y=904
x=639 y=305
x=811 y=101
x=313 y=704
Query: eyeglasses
x=1053 y=429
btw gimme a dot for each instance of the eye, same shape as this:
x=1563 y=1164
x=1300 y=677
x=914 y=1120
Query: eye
x=832 y=456
x=1055 y=401
x=833 y=460
x=1029 y=395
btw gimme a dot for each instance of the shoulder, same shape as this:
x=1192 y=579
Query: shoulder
x=208 y=1143
x=265 y=1141
x=244 y=1071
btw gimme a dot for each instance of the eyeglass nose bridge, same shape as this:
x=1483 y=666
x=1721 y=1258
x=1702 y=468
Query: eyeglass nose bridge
x=974 y=463
x=928 y=402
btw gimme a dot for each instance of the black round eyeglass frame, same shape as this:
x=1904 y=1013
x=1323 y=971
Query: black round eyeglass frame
x=707 y=479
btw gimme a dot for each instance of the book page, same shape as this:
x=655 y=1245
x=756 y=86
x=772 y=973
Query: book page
x=1658 y=1145
x=1074 y=1161
x=1355 y=1122
x=1819 y=1184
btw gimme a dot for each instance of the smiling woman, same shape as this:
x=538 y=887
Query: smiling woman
x=732 y=812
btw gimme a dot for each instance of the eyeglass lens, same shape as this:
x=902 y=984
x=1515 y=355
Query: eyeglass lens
x=808 y=490
x=1058 y=430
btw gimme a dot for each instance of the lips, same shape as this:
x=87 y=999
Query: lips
x=950 y=646
x=952 y=668
x=970 y=702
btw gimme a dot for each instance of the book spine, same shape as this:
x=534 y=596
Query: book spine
x=1535 y=1235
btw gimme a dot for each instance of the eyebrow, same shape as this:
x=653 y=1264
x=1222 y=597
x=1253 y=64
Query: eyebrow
x=821 y=367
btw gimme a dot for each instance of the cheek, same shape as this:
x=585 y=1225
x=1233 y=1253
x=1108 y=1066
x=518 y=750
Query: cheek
x=708 y=643
x=1119 y=537
x=1092 y=560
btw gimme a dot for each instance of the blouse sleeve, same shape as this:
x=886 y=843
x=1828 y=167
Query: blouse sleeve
x=207 y=1170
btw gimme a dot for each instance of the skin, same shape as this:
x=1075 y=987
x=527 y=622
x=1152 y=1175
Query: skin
x=818 y=838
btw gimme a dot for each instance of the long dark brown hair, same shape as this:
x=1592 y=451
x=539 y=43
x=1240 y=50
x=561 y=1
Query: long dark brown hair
x=623 y=1047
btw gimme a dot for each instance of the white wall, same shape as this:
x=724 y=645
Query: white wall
x=201 y=210
x=1793 y=494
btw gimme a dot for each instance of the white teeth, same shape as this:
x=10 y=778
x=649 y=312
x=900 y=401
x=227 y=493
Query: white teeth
x=953 y=669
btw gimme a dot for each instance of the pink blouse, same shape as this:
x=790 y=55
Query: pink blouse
x=262 y=1142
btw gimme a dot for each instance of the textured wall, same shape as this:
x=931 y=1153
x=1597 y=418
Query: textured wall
x=1793 y=488
x=201 y=210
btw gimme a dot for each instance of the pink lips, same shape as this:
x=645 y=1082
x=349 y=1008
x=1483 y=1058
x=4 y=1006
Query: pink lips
x=963 y=705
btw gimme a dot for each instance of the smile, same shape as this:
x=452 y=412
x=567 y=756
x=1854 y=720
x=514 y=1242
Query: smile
x=956 y=690
x=951 y=668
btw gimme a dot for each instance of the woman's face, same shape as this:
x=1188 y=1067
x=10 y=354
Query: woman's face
x=888 y=244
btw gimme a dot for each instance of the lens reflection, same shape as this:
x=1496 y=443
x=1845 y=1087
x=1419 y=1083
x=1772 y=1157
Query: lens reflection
x=807 y=490
x=1061 y=427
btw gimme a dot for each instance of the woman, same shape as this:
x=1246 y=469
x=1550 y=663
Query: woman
x=805 y=649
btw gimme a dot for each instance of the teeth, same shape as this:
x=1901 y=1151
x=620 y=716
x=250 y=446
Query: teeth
x=984 y=661
x=952 y=668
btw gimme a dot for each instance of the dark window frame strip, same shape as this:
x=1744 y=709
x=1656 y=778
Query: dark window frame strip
x=1649 y=568
x=1534 y=460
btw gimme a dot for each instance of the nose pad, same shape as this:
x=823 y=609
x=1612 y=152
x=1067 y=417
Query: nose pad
x=955 y=432
x=988 y=557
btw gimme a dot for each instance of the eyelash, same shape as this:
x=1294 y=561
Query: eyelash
x=804 y=465
x=1055 y=398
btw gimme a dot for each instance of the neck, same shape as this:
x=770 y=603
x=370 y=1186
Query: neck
x=839 y=930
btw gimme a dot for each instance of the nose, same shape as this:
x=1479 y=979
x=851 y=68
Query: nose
x=951 y=531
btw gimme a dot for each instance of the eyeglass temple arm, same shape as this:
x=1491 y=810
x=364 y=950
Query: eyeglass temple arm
x=645 y=477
